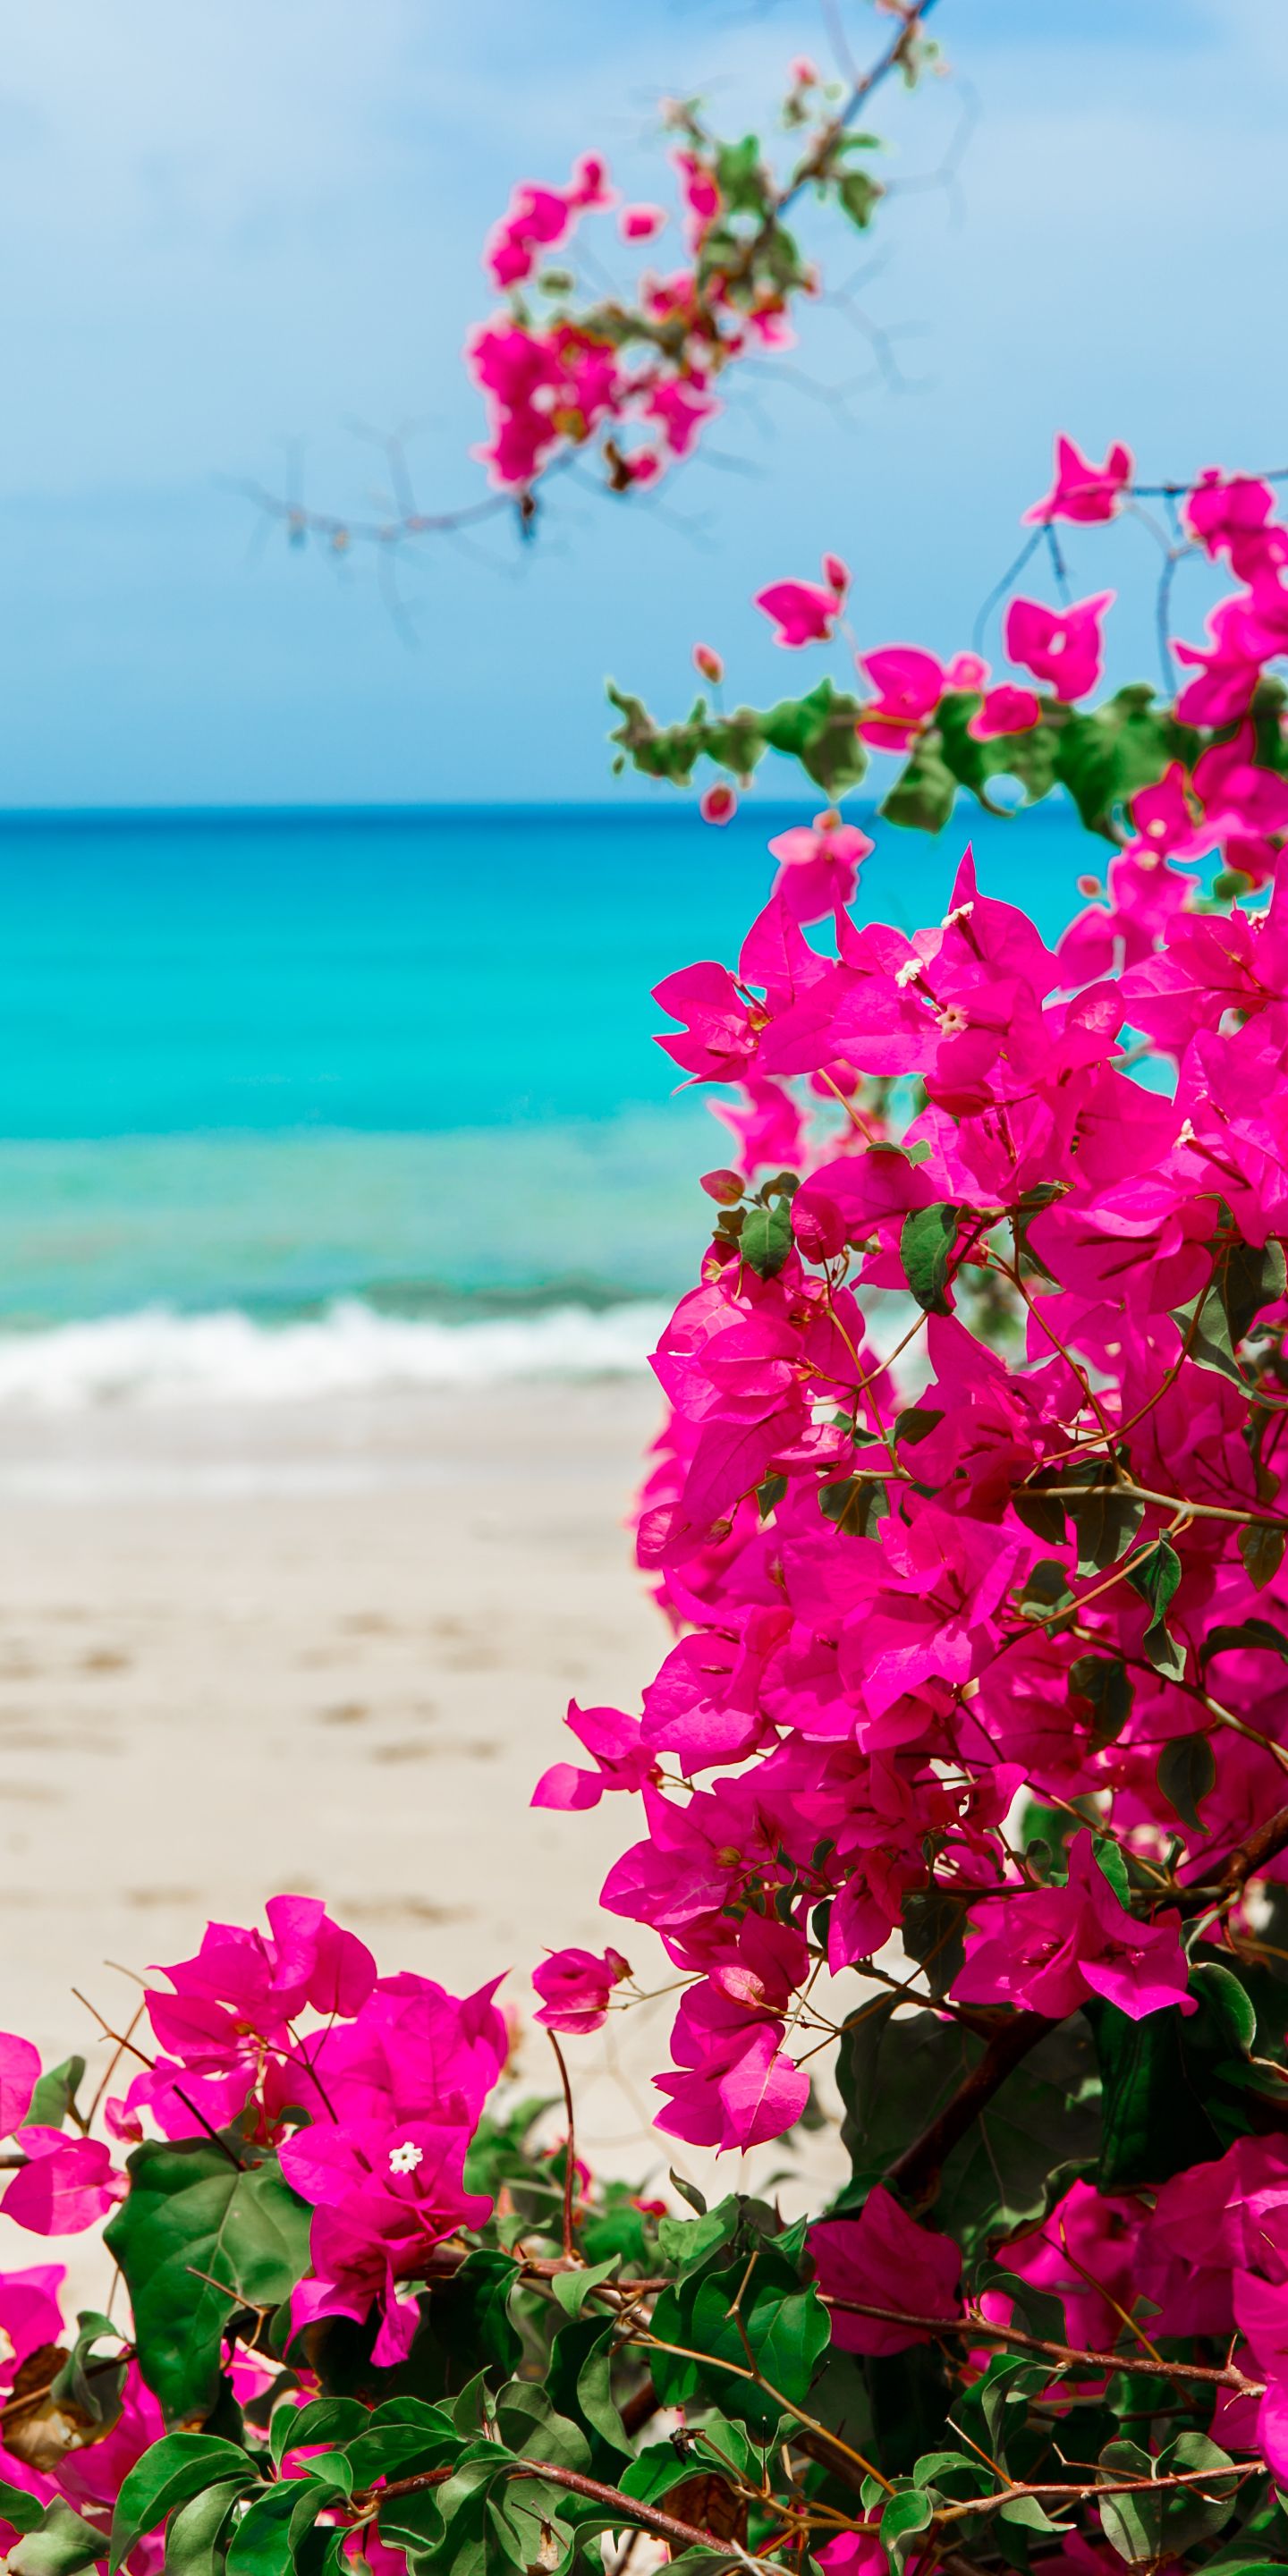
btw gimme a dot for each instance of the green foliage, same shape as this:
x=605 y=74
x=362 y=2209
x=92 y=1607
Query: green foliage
x=898 y=2070
x=1178 y=2088
x=817 y=730
x=209 y=2229
x=926 y=1240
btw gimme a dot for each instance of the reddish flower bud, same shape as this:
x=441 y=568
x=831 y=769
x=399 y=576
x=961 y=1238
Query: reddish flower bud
x=718 y=805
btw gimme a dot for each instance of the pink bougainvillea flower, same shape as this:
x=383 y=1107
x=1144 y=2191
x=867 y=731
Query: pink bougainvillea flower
x=1231 y=516
x=734 y=2086
x=805 y=612
x=883 y=2259
x=718 y=804
x=1060 y=646
x=575 y=1986
x=1048 y=1949
x=1005 y=709
x=818 y=865
x=622 y=1760
x=1227 y=668
x=19 y=2068
x=855 y=2553
x=30 y=2313
x=709 y=664
x=383 y=2196
x=66 y=2186
x=641 y=223
x=700 y=192
x=1081 y=491
x=680 y=407
x=720 y=1033
x=768 y=1124
x=909 y=685
x=589 y=187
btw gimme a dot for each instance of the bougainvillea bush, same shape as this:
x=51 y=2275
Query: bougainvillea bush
x=962 y=1781
x=964 y=1776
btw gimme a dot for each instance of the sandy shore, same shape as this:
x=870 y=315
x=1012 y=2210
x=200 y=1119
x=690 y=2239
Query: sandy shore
x=329 y=1651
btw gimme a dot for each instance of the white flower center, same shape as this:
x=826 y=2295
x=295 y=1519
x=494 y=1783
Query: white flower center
x=405 y=2159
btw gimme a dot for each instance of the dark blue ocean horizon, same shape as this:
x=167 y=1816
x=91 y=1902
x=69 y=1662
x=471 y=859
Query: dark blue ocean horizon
x=268 y=1057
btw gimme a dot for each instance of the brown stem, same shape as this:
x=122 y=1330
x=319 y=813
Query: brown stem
x=1095 y=2364
x=570 y=2150
x=1246 y=1860
x=648 y=2516
x=639 y=2408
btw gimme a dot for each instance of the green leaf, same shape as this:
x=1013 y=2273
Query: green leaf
x=1106 y=1524
x=1156 y=1576
x=1041 y=1513
x=1143 y=2526
x=902 y=2519
x=96 y=2394
x=530 y=2427
x=857 y=1504
x=1176 y=2087
x=572 y=2289
x=818 y=731
x=896 y=2074
x=1107 y=1687
x=1252 y=1276
x=327 y=2419
x=688 y=2241
x=402 y=2435
x=20 y=2508
x=766 y=1237
x=1205 y=1325
x=926 y=1240
x=925 y=792
x=784 y=2327
x=60 y=2544
x=1133 y=2523
x=1104 y=757
x=1195 y=2513
x=180 y=2465
x=1186 y=1773
x=269 y=2533
x=595 y=2392
x=54 y=2095
x=1261 y=1547
x=1249 y=1632
x=934 y=1934
x=194 y=2211
x=196 y=2533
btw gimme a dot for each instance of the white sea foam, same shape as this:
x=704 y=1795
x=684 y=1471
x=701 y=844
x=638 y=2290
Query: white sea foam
x=158 y=1357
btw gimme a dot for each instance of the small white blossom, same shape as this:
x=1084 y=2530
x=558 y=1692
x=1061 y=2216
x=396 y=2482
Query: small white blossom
x=405 y=2159
x=960 y=912
x=908 y=974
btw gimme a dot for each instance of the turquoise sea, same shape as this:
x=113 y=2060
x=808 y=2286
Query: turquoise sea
x=292 y=1091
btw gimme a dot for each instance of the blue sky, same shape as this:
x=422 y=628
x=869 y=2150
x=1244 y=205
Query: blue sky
x=234 y=224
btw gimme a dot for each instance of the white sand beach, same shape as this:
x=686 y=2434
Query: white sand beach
x=326 y=1649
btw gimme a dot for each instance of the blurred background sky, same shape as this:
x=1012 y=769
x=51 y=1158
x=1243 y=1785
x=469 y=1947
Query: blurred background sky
x=236 y=224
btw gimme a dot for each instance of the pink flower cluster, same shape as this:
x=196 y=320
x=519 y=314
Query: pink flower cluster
x=392 y=2073
x=633 y=375
x=1206 y=2254
x=883 y=1633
